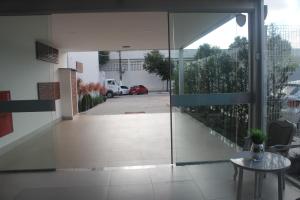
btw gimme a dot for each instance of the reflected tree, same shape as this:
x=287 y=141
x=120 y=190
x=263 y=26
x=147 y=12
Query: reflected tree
x=156 y=63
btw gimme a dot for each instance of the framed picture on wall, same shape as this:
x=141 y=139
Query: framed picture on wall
x=46 y=53
x=48 y=91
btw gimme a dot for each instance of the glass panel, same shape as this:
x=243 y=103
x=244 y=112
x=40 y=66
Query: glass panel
x=209 y=133
x=283 y=81
x=209 y=54
x=221 y=72
x=28 y=145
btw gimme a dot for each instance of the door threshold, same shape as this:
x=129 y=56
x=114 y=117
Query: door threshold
x=129 y=167
x=201 y=162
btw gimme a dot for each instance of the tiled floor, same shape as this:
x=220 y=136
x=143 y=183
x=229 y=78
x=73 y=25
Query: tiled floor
x=196 y=142
x=198 y=182
x=113 y=140
x=97 y=141
x=89 y=151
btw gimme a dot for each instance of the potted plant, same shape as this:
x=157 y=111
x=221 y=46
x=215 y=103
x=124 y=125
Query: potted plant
x=258 y=138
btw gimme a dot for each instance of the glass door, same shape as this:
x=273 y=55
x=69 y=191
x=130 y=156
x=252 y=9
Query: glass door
x=209 y=85
x=29 y=85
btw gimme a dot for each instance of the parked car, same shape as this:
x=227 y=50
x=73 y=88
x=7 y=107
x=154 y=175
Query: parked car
x=291 y=103
x=138 y=89
x=123 y=90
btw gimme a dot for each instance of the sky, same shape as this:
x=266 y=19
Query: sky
x=280 y=12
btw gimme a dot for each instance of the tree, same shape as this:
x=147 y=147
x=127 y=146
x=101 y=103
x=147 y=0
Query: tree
x=219 y=71
x=156 y=63
x=206 y=50
x=240 y=44
x=240 y=48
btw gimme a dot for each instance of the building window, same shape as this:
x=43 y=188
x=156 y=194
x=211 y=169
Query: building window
x=113 y=65
x=136 y=65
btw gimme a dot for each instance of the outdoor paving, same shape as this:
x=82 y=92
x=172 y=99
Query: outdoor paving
x=154 y=102
x=163 y=182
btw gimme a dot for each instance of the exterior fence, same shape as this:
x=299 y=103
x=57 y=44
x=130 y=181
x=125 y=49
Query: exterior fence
x=283 y=60
x=283 y=82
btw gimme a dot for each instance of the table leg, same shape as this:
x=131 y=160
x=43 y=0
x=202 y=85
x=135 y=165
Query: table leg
x=235 y=172
x=240 y=185
x=256 y=185
x=260 y=181
x=280 y=187
x=283 y=180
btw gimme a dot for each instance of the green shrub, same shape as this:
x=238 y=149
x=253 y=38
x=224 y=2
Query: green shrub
x=86 y=102
x=98 y=99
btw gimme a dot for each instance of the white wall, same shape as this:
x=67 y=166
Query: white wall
x=102 y=77
x=20 y=71
x=90 y=65
x=151 y=81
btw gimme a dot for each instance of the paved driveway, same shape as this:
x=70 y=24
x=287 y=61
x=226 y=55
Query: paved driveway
x=156 y=102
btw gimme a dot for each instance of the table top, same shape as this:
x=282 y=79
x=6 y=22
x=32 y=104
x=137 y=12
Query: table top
x=270 y=162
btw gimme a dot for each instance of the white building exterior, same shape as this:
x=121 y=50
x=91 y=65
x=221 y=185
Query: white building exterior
x=132 y=62
x=133 y=72
x=132 y=67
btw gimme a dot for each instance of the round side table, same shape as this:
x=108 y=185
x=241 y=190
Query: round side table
x=270 y=162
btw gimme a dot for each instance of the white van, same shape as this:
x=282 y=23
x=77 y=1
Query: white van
x=112 y=87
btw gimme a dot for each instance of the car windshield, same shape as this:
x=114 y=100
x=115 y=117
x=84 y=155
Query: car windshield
x=111 y=82
x=124 y=87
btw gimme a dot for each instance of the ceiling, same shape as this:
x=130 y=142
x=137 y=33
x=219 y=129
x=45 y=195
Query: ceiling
x=110 y=31
x=189 y=27
x=34 y=7
x=139 y=30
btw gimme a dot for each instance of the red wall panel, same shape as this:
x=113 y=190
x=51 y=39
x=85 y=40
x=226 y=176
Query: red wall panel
x=6 y=123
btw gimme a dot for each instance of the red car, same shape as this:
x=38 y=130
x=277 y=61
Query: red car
x=138 y=89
